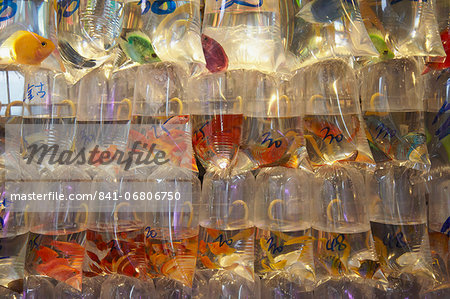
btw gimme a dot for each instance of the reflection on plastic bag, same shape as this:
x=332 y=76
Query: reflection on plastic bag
x=393 y=112
x=161 y=31
x=248 y=31
x=407 y=27
x=333 y=127
x=324 y=29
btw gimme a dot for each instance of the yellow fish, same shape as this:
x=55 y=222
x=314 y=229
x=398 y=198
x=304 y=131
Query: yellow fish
x=28 y=48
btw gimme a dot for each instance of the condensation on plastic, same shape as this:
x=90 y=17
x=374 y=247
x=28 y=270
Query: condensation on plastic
x=283 y=226
x=392 y=104
x=322 y=29
x=161 y=113
x=333 y=127
x=272 y=128
x=398 y=217
x=167 y=31
x=172 y=222
x=226 y=217
x=216 y=114
x=88 y=31
x=248 y=31
x=28 y=34
x=408 y=28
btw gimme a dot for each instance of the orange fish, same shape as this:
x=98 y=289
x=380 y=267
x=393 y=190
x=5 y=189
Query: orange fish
x=28 y=47
x=217 y=249
x=46 y=254
x=68 y=248
x=207 y=262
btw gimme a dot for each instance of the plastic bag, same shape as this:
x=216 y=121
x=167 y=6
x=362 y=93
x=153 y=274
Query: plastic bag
x=28 y=34
x=160 y=118
x=272 y=127
x=248 y=32
x=167 y=31
x=343 y=247
x=391 y=95
x=398 y=220
x=407 y=28
x=88 y=31
x=327 y=28
x=333 y=127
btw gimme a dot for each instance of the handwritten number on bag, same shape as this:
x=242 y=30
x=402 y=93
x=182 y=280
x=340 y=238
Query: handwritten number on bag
x=4 y=6
x=223 y=241
x=273 y=246
x=150 y=233
x=338 y=137
x=337 y=243
x=277 y=143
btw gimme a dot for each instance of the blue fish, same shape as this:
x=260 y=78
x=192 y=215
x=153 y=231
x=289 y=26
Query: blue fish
x=323 y=11
x=446 y=227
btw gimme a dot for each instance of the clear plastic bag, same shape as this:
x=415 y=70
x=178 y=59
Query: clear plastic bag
x=226 y=238
x=344 y=252
x=160 y=117
x=333 y=127
x=217 y=118
x=283 y=244
x=88 y=31
x=28 y=34
x=171 y=233
x=391 y=96
x=407 y=28
x=167 y=31
x=327 y=28
x=398 y=220
x=272 y=127
x=247 y=32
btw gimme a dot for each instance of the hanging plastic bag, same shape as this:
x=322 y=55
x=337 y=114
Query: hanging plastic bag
x=160 y=118
x=88 y=31
x=333 y=127
x=166 y=31
x=405 y=27
x=272 y=127
x=28 y=34
x=327 y=28
x=243 y=35
x=391 y=95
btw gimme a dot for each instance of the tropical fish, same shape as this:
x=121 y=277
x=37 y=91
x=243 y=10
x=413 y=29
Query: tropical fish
x=323 y=11
x=367 y=268
x=28 y=47
x=381 y=46
x=215 y=56
x=327 y=130
x=437 y=63
x=138 y=46
x=333 y=264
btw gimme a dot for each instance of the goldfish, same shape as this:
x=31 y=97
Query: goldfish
x=138 y=47
x=333 y=264
x=215 y=56
x=367 y=268
x=28 y=48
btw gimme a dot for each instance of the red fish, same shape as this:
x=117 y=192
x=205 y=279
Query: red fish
x=436 y=63
x=215 y=56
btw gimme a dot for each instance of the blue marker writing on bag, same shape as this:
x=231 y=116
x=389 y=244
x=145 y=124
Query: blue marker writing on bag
x=31 y=88
x=239 y=2
x=156 y=7
x=4 y=4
